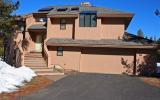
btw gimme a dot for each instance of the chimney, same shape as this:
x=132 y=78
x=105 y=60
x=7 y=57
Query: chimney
x=86 y=4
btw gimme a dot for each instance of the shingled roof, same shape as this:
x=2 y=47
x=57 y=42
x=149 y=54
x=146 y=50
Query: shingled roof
x=82 y=8
x=96 y=43
x=98 y=10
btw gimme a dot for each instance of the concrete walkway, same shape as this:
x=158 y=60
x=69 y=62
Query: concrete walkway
x=96 y=87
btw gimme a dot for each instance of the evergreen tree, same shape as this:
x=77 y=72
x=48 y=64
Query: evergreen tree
x=151 y=38
x=7 y=7
x=140 y=33
x=158 y=41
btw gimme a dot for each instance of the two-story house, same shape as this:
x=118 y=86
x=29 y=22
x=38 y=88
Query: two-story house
x=84 y=38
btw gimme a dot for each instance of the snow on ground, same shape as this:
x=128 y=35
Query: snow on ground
x=158 y=64
x=11 y=78
x=158 y=67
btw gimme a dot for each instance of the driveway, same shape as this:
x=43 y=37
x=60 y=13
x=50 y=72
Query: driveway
x=96 y=87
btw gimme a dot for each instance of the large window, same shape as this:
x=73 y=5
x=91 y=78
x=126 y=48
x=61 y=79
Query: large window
x=62 y=24
x=88 y=20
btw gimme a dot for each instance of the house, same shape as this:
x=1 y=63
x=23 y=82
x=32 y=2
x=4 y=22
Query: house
x=83 y=38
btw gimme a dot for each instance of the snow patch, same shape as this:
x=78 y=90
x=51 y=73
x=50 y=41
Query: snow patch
x=11 y=78
x=158 y=64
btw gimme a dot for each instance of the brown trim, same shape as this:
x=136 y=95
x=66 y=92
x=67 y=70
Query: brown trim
x=62 y=15
x=115 y=15
x=40 y=15
x=38 y=30
x=108 y=46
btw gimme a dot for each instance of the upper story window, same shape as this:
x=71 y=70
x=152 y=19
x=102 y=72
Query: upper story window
x=62 y=24
x=41 y=19
x=88 y=20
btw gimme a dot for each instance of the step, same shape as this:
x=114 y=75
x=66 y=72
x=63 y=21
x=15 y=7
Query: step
x=35 y=65
x=42 y=70
x=28 y=56
x=34 y=59
x=40 y=60
x=35 y=62
x=39 y=67
x=34 y=53
x=48 y=73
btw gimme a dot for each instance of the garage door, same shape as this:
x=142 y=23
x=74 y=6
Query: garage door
x=104 y=61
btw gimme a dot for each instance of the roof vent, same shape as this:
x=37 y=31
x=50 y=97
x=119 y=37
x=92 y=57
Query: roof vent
x=86 y=4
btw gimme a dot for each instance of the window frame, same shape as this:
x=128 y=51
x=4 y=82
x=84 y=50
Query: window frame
x=59 y=51
x=83 y=23
x=62 y=23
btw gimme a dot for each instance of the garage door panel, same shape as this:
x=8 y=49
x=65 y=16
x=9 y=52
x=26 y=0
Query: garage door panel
x=103 y=63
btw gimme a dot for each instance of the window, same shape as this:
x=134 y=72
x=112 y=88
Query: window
x=41 y=19
x=59 y=51
x=62 y=24
x=88 y=20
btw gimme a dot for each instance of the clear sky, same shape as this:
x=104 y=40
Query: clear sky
x=143 y=9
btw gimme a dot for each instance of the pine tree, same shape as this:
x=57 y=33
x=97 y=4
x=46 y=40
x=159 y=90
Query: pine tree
x=158 y=41
x=140 y=33
x=7 y=7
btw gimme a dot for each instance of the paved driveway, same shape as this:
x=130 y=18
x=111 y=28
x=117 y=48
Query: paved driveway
x=97 y=87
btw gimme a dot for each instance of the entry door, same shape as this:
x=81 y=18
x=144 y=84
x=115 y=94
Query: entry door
x=38 y=45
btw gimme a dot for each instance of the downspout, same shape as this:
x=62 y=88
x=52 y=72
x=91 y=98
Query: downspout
x=135 y=63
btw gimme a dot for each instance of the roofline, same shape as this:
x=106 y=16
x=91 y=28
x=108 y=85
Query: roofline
x=62 y=15
x=106 y=46
x=127 y=15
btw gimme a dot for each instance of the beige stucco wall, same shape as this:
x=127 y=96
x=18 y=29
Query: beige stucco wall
x=30 y=36
x=31 y=20
x=91 y=60
x=69 y=60
x=105 y=60
x=30 y=41
x=112 y=28
x=54 y=31
x=107 y=28
x=92 y=33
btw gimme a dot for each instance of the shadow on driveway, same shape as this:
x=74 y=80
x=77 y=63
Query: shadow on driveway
x=84 y=86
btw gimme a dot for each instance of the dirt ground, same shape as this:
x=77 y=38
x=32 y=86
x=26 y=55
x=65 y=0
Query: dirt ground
x=151 y=81
x=36 y=84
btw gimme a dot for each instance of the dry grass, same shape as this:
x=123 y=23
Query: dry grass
x=36 y=84
x=151 y=81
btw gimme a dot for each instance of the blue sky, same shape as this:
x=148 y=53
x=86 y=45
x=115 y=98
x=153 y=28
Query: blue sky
x=143 y=9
